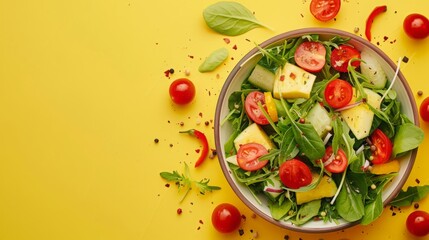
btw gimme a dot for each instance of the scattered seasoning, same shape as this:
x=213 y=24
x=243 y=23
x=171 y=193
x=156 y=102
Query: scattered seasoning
x=416 y=205
x=156 y=140
x=197 y=150
x=420 y=93
x=190 y=56
x=393 y=214
x=181 y=124
x=187 y=72
x=241 y=232
x=179 y=211
x=356 y=30
x=201 y=221
x=405 y=59
x=203 y=139
x=377 y=11
x=234 y=47
x=206 y=123
x=168 y=72
x=227 y=40
x=171 y=145
x=385 y=38
x=213 y=153
x=417 y=181
x=167 y=185
x=286 y=237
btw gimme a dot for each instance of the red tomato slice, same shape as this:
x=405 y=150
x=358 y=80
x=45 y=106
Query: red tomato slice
x=338 y=93
x=340 y=57
x=248 y=156
x=335 y=163
x=252 y=108
x=325 y=10
x=424 y=109
x=383 y=147
x=310 y=56
x=295 y=174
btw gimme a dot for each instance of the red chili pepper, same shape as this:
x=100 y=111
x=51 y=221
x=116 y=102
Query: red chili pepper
x=203 y=141
x=377 y=11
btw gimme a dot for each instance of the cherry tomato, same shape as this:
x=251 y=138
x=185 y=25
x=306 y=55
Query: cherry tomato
x=383 y=147
x=325 y=10
x=424 y=110
x=340 y=57
x=418 y=223
x=295 y=174
x=338 y=93
x=252 y=108
x=310 y=56
x=416 y=26
x=226 y=218
x=248 y=156
x=338 y=163
x=182 y=91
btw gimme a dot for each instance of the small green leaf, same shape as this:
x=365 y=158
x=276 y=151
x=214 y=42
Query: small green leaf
x=230 y=18
x=413 y=194
x=213 y=61
x=408 y=137
x=280 y=210
x=171 y=177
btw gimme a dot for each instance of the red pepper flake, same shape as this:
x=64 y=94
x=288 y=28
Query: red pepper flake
x=203 y=139
x=377 y=11
x=417 y=181
x=197 y=150
x=226 y=40
x=282 y=77
x=179 y=211
x=385 y=38
x=234 y=47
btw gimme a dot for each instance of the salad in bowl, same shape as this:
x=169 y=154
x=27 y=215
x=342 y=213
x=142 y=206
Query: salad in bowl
x=316 y=130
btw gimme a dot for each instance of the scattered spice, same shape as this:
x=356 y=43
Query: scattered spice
x=187 y=72
x=156 y=140
x=377 y=11
x=241 y=232
x=385 y=38
x=234 y=47
x=405 y=59
x=179 y=211
x=168 y=72
x=212 y=153
x=171 y=145
x=203 y=139
x=191 y=57
x=416 y=205
x=207 y=123
x=417 y=181
x=420 y=93
x=201 y=221
x=167 y=185
x=227 y=40
x=356 y=30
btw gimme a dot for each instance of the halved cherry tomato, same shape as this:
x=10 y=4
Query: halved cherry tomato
x=252 y=108
x=340 y=57
x=338 y=93
x=325 y=10
x=337 y=162
x=226 y=218
x=310 y=56
x=383 y=147
x=418 y=223
x=295 y=174
x=424 y=110
x=248 y=156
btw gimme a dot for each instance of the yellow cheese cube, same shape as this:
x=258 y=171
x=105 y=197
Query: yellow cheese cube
x=293 y=82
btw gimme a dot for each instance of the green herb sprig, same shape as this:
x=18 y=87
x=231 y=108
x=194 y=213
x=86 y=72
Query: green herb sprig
x=183 y=181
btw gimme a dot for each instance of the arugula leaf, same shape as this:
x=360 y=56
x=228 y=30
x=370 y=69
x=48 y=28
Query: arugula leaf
x=184 y=181
x=308 y=140
x=214 y=60
x=230 y=18
x=412 y=194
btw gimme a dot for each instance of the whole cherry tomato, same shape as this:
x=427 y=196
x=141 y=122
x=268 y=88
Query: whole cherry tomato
x=424 y=110
x=416 y=26
x=418 y=223
x=182 y=91
x=226 y=218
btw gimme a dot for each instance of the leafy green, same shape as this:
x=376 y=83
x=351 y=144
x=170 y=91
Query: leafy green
x=307 y=211
x=214 y=60
x=407 y=137
x=412 y=194
x=280 y=210
x=230 y=18
x=350 y=204
x=183 y=181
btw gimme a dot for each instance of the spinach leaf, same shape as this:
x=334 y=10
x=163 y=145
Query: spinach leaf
x=280 y=210
x=413 y=194
x=408 y=137
x=349 y=204
x=308 y=141
x=307 y=211
x=373 y=210
x=288 y=148
x=230 y=18
x=214 y=60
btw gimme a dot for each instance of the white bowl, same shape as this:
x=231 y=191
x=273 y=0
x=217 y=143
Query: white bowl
x=243 y=69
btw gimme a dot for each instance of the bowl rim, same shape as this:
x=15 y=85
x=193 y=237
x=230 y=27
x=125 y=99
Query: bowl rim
x=272 y=40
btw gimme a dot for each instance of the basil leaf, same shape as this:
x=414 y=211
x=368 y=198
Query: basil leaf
x=308 y=141
x=288 y=148
x=280 y=210
x=307 y=211
x=408 y=137
x=373 y=210
x=213 y=61
x=230 y=18
x=413 y=194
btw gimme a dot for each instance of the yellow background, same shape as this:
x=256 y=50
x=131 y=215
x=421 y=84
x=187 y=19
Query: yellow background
x=83 y=96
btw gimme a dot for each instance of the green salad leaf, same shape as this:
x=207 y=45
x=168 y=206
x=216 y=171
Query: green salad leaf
x=214 y=60
x=230 y=18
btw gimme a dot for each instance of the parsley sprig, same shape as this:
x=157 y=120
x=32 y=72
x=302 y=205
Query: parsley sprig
x=184 y=181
